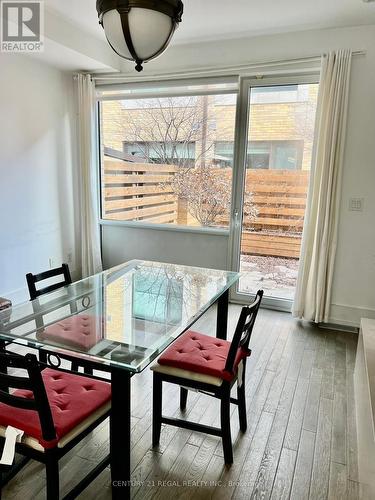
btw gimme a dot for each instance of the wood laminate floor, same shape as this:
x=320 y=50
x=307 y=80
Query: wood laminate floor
x=301 y=437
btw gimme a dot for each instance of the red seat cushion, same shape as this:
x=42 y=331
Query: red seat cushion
x=80 y=331
x=72 y=399
x=201 y=353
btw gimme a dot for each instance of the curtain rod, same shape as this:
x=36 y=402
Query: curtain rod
x=225 y=70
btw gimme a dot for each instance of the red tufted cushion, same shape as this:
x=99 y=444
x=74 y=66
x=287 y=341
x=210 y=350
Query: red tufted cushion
x=200 y=353
x=78 y=331
x=72 y=399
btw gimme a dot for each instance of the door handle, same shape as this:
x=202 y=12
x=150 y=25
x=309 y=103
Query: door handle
x=236 y=218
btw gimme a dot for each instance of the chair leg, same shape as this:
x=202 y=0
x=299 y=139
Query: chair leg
x=157 y=403
x=52 y=473
x=225 y=427
x=242 y=406
x=183 y=398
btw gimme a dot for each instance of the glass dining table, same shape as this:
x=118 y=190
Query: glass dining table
x=135 y=311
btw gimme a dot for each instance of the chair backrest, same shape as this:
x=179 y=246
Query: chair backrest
x=32 y=382
x=244 y=328
x=32 y=279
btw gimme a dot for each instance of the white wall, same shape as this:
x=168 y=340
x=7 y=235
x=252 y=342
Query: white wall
x=120 y=244
x=36 y=170
x=354 y=280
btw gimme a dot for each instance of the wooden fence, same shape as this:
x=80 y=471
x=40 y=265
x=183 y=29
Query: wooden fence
x=133 y=191
x=281 y=245
x=280 y=197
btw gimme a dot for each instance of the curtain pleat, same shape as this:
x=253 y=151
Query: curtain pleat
x=88 y=168
x=319 y=242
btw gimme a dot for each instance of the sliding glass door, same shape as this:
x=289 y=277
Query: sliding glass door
x=274 y=146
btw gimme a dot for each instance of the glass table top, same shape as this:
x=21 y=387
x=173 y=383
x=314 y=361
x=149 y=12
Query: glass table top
x=125 y=316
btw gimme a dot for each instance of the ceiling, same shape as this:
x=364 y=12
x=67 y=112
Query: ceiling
x=205 y=20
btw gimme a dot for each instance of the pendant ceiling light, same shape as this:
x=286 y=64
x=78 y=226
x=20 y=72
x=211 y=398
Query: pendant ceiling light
x=139 y=30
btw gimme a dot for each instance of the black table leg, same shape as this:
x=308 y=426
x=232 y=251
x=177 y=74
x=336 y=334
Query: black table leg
x=120 y=434
x=3 y=367
x=222 y=316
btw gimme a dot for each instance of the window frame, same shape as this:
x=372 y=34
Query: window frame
x=241 y=131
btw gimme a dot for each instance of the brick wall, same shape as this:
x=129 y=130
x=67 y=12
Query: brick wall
x=268 y=122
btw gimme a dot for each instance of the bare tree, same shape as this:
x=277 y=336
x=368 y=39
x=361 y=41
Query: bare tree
x=168 y=130
x=208 y=194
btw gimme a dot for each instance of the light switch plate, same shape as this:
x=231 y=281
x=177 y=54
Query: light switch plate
x=356 y=204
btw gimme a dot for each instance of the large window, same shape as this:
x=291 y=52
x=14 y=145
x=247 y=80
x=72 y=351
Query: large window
x=159 y=158
x=167 y=150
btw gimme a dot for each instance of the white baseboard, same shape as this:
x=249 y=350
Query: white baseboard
x=343 y=314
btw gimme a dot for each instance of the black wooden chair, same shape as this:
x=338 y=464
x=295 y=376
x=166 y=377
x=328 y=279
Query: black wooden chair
x=212 y=366
x=55 y=409
x=77 y=331
x=32 y=279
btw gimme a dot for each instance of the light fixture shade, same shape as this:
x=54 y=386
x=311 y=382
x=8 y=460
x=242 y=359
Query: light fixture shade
x=139 y=30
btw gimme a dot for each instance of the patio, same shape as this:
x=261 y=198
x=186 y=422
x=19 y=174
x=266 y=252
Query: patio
x=275 y=275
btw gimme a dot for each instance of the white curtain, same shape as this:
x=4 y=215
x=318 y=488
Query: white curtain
x=319 y=242
x=88 y=172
